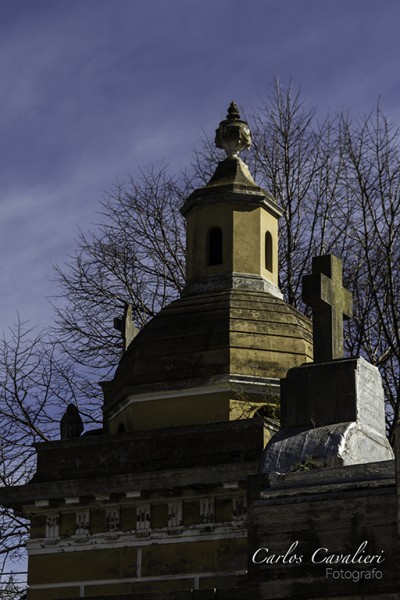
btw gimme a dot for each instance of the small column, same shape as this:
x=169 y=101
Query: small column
x=239 y=505
x=82 y=523
x=143 y=519
x=112 y=519
x=207 y=510
x=175 y=518
x=53 y=526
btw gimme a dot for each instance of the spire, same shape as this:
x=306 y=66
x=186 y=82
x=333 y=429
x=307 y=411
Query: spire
x=233 y=134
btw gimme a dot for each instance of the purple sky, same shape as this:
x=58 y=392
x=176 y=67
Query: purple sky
x=92 y=90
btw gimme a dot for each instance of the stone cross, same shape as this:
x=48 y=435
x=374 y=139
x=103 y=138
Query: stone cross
x=323 y=290
x=126 y=326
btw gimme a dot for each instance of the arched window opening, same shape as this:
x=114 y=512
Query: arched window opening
x=268 y=251
x=215 y=246
x=121 y=428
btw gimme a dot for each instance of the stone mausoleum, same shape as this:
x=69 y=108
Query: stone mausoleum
x=191 y=490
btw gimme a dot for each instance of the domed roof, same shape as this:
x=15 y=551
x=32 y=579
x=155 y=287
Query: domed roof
x=230 y=320
x=203 y=336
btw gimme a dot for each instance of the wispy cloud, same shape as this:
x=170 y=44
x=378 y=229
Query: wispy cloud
x=91 y=91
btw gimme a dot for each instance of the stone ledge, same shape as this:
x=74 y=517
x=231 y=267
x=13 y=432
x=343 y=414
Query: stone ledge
x=240 y=281
x=238 y=593
x=135 y=452
x=22 y=498
x=357 y=477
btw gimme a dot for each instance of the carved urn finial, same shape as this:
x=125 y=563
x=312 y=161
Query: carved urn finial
x=233 y=134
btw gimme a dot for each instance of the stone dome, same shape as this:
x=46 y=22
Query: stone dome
x=204 y=336
x=230 y=325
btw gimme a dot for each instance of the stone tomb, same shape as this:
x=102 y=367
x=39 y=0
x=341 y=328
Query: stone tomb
x=332 y=414
x=323 y=512
x=332 y=411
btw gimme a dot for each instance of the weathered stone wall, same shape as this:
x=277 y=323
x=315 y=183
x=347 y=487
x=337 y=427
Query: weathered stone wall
x=179 y=448
x=200 y=339
x=114 y=570
x=197 y=473
x=333 y=509
x=207 y=594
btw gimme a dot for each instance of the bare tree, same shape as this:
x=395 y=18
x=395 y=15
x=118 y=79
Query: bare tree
x=136 y=256
x=339 y=185
x=36 y=385
x=12 y=589
x=370 y=214
x=297 y=160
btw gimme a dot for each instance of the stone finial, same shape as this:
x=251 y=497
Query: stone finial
x=323 y=290
x=233 y=134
